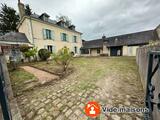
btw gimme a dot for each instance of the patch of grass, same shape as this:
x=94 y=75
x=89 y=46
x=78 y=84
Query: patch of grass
x=18 y=77
x=89 y=70
x=92 y=69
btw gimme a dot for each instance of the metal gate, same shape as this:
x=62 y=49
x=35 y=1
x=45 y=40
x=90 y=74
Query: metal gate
x=3 y=96
x=154 y=57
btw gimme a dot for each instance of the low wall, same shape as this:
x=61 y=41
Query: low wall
x=142 y=61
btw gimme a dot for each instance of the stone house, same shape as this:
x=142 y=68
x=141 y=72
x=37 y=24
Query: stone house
x=43 y=32
x=122 y=45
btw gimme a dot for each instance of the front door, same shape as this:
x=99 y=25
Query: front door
x=116 y=51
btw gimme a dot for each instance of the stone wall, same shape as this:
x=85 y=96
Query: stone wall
x=142 y=61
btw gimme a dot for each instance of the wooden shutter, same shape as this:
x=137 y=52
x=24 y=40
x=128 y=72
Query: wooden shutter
x=44 y=33
x=61 y=35
x=52 y=34
x=54 y=48
x=73 y=38
x=45 y=46
x=67 y=37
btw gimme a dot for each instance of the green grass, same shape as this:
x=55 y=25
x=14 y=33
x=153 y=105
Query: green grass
x=92 y=69
x=18 y=77
x=89 y=70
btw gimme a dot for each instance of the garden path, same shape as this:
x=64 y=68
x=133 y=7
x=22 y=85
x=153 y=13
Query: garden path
x=42 y=76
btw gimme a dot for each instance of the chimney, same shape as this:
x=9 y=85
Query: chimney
x=21 y=9
x=103 y=38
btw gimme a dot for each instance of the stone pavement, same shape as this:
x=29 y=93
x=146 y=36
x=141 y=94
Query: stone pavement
x=59 y=101
x=42 y=76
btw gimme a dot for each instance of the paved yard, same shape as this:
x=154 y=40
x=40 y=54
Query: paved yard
x=109 y=81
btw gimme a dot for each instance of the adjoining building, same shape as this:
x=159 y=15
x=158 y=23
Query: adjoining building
x=43 y=32
x=10 y=44
x=122 y=45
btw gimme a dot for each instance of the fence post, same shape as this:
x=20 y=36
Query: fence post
x=4 y=87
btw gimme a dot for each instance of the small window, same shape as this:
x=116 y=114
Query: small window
x=74 y=39
x=64 y=37
x=47 y=34
x=50 y=48
x=98 y=51
x=75 y=49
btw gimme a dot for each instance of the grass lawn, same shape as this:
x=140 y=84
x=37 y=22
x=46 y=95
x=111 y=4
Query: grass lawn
x=89 y=70
x=18 y=79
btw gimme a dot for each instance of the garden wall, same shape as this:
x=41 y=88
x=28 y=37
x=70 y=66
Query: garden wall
x=142 y=61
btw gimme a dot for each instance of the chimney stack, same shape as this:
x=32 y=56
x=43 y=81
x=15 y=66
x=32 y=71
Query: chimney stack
x=21 y=9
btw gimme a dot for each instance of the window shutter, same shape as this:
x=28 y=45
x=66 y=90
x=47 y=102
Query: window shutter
x=67 y=37
x=45 y=46
x=44 y=33
x=76 y=39
x=52 y=35
x=61 y=36
x=54 y=48
x=73 y=38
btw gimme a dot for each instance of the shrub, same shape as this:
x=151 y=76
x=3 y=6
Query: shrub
x=44 y=54
x=24 y=48
x=63 y=58
x=30 y=53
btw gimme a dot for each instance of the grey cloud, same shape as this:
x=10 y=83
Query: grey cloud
x=97 y=17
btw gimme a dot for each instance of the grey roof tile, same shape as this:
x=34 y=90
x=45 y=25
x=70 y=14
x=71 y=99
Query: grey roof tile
x=14 y=37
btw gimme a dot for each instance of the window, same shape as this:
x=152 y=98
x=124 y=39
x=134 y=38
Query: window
x=98 y=51
x=64 y=37
x=47 y=34
x=74 y=39
x=50 y=48
x=75 y=49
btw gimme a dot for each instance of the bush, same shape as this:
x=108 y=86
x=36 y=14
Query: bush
x=63 y=58
x=24 y=48
x=44 y=54
x=30 y=53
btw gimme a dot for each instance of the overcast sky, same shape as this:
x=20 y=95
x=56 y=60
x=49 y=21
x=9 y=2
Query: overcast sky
x=97 y=17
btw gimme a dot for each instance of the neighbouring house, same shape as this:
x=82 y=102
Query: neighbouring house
x=43 y=32
x=10 y=44
x=122 y=45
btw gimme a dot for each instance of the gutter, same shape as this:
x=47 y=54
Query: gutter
x=31 y=29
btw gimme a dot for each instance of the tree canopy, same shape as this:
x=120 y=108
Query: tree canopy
x=8 y=19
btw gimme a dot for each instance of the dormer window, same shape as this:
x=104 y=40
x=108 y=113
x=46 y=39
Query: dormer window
x=44 y=17
x=61 y=23
x=72 y=27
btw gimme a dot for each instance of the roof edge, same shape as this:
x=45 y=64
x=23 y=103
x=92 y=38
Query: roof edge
x=30 y=17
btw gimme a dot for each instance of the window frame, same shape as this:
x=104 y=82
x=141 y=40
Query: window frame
x=74 y=39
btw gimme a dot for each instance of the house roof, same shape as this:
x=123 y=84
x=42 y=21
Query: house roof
x=50 y=21
x=138 y=38
x=98 y=43
x=14 y=37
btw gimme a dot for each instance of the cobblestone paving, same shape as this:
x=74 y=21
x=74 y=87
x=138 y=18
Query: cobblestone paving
x=60 y=101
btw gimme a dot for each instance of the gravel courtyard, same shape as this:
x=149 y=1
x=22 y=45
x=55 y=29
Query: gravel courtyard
x=111 y=81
